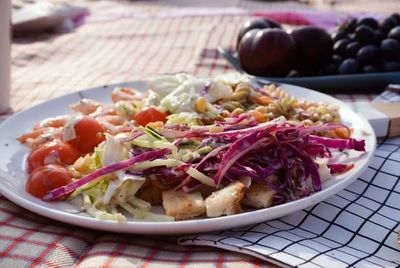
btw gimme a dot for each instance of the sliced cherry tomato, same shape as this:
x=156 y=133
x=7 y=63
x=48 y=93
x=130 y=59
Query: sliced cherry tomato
x=47 y=178
x=54 y=152
x=150 y=115
x=89 y=133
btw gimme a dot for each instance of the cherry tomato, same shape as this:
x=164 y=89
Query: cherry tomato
x=150 y=115
x=47 y=178
x=54 y=152
x=89 y=133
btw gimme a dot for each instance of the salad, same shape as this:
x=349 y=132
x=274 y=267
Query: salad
x=198 y=147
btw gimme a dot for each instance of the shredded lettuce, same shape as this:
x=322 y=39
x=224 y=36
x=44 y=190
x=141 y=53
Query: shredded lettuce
x=201 y=177
x=187 y=118
x=100 y=214
x=157 y=163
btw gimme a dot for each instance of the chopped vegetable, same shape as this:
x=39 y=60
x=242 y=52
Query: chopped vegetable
x=150 y=115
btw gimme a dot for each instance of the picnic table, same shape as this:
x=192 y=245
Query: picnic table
x=124 y=41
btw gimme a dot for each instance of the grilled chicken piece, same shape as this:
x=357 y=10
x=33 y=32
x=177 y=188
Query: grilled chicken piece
x=151 y=191
x=225 y=201
x=258 y=196
x=181 y=205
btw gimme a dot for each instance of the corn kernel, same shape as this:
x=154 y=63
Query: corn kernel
x=156 y=125
x=83 y=164
x=201 y=104
x=342 y=133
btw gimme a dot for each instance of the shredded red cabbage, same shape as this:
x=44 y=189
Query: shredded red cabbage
x=337 y=168
x=62 y=191
x=279 y=154
x=341 y=144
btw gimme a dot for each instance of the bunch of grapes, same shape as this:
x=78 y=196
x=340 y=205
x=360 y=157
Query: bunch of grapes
x=366 y=46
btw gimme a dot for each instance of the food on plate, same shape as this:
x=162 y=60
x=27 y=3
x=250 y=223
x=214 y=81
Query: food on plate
x=259 y=195
x=362 y=45
x=181 y=205
x=225 y=201
x=198 y=147
x=46 y=178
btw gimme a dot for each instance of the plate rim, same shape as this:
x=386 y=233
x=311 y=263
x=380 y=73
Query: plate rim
x=187 y=226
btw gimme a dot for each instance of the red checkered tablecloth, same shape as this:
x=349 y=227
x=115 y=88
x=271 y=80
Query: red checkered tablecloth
x=120 y=41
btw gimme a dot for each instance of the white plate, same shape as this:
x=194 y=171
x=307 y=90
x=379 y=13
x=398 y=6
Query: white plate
x=13 y=176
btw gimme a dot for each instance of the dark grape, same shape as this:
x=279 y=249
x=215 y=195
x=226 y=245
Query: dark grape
x=396 y=16
x=379 y=36
x=391 y=66
x=349 y=66
x=390 y=49
x=352 y=49
x=395 y=33
x=336 y=59
x=364 y=34
x=339 y=35
x=368 y=54
x=351 y=25
x=340 y=46
x=387 y=24
x=371 y=22
x=370 y=69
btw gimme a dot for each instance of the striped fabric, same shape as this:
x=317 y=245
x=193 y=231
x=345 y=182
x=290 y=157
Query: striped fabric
x=123 y=41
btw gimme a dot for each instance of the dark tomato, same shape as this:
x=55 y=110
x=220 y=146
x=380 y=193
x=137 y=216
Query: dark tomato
x=260 y=23
x=47 y=178
x=150 y=115
x=55 y=152
x=267 y=52
x=89 y=133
